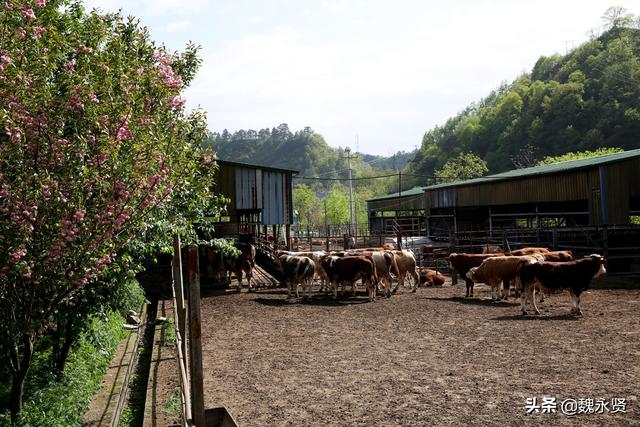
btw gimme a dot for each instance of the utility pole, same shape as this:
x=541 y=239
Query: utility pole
x=349 y=156
x=398 y=208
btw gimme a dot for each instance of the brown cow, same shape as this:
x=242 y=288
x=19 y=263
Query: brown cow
x=316 y=256
x=554 y=276
x=431 y=277
x=462 y=263
x=406 y=263
x=385 y=263
x=494 y=270
x=349 y=269
x=528 y=251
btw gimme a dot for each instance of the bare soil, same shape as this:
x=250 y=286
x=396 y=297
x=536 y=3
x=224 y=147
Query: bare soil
x=426 y=358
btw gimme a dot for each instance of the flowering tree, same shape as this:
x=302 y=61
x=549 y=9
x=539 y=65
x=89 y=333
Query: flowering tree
x=96 y=153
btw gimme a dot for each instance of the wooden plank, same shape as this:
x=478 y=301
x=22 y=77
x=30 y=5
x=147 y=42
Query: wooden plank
x=195 y=337
x=179 y=292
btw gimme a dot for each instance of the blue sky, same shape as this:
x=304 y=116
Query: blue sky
x=386 y=71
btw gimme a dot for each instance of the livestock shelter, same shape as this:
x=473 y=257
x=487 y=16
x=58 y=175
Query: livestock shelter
x=402 y=212
x=603 y=190
x=259 y=197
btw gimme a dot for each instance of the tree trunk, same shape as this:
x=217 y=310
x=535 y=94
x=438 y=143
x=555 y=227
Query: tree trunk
x=62 y=355
x=20 y=369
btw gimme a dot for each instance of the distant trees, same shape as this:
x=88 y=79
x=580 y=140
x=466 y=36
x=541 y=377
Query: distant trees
x=587 y=99
x=307 y=204
x=581 y=155
x=464 y=166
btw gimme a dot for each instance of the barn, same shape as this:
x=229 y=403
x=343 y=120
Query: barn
x=403 y=211
x=603 y=190
x=260 y=199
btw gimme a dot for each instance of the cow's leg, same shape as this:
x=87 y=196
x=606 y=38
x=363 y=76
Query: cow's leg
x=506 y=288
x=288 y=289
x=297 y=285
x=335 y=289
x=415 y=280
x=249 y=274
x=523 y=301
x=469 y=284
x=533 y=298
x=576 y=302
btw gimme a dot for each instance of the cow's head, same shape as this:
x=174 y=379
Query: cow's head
x=451 y=258
x=601 y=260
x=471 y=274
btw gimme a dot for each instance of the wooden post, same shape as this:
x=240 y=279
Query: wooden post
x=288 y=236
x=328 y=234
x=179 y=291
x=195 y=338
x=452 y=245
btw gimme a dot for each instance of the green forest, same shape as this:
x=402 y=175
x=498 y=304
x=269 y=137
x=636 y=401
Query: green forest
x=583 y=101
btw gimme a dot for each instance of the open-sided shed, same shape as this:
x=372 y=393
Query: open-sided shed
x=404 y=210
x=595 y=191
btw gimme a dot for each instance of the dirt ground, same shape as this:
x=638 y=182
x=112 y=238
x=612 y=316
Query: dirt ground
x=425 y=358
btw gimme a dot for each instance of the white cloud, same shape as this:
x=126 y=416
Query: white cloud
x=177 y=26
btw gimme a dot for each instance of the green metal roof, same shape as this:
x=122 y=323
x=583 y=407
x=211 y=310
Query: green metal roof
x=253 y=166
x=411 y=192
x=543 y=170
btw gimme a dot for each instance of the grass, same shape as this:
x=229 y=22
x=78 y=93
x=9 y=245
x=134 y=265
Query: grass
x=49 y=402
x=173 y=406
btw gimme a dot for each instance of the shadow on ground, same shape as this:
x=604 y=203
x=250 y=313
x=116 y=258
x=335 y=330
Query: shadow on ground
x=477 y=301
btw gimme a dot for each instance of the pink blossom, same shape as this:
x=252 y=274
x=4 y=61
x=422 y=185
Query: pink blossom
x=27 y=13
x=167 y=191
x=69 y=66
x=22 y=33
x=5 y=59
x=123 y=132
x=8 y=6
x=37 y=31
x=17 y=255
x=41 y=3
x=64 y=141
x=177 y=102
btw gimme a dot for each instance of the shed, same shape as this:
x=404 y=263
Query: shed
x=603 y=190
x=259 y=196
x=403 y=210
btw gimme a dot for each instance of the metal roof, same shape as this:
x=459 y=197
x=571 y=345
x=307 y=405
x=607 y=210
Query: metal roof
x=249 y=165
x=543 y=170
x=411 y=192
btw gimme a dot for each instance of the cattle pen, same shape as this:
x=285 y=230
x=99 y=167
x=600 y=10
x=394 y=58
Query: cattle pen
x=427 y=358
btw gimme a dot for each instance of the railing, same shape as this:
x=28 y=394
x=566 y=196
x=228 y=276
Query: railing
x=189 y=367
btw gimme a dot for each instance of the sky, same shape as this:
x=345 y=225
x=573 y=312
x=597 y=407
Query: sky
x=373 y=75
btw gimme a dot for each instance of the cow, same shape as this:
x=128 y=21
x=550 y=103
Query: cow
x=528 y=251
x=349 y=269
x=296 y=270
x=384 y=262
x=406 y=263
x=495 y=270
x=557 y=256
x=245 y=262
x=316 y=256
x=463 y=262
x=574 y=276
x=430 y=277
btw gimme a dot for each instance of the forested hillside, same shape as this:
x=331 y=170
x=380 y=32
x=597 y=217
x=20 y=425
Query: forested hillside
x=586 y=99
x=305 y=151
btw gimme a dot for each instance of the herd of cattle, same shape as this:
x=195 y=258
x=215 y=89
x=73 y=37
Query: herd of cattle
x=527 y=270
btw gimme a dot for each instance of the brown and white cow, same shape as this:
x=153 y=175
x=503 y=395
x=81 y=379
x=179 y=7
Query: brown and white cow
x=495 y=270
x=462 y=263
x=316 y=256
x=406 y=264
x=385 y=263
x=430 y=277
x=297 y=270
x=574 y=276
x=348 y=270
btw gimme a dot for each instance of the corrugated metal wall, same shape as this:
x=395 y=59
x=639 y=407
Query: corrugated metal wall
x=256 y=189
x=408 y=203
x=622 y=181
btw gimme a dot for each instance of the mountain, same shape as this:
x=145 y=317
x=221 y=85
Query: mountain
x=305 y=151
x=587 y=99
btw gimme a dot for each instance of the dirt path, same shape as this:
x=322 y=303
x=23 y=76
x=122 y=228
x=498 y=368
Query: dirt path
x=430 y=358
